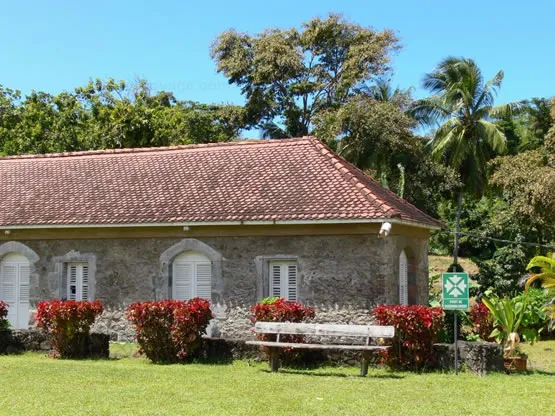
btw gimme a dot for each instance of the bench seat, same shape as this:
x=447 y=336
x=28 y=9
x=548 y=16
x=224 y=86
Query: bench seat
x=362 y=332
x=318 y=346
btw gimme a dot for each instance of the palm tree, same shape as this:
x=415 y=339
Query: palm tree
x=462 y=104
x=546 y=276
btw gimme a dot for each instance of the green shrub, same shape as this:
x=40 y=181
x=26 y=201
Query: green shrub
x=535 y=318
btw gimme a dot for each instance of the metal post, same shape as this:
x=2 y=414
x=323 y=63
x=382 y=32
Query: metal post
x=456 y=345
x=456 y=313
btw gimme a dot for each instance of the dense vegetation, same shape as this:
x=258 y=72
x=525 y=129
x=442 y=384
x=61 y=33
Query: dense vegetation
x=490 y=169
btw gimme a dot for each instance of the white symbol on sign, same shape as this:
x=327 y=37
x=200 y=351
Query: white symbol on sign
x=455 y=286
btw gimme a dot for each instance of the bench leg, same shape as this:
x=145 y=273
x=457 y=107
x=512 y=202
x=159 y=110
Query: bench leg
x=364 y=365
x=274 y=359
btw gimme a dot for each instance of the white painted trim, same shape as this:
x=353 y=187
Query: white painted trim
x=224 y=223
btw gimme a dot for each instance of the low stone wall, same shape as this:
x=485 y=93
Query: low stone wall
x=479 y=357
x=230 y=321
x=96 y=346
x=113 y=323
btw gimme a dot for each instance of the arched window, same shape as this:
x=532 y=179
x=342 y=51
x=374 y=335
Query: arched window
x=15 y=274
x=408 y=289
x=403 y=279
x=192 y=276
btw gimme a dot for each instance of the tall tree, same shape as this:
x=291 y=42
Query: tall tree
x=289 y=76
x=462 y=104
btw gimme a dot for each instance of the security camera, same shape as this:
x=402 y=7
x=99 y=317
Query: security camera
x=384 y=230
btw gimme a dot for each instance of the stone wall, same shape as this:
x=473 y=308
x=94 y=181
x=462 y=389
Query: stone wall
x=342 y=276
x=480 y=358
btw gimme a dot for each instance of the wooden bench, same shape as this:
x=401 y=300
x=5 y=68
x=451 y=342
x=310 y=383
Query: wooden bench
x=366 y=332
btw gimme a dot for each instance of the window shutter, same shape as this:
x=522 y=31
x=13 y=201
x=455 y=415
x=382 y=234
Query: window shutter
x=85 y=282
x=72 y=282
x=403 y=279
x=24 y=276
x=9 y=282
x=292 y=282
x=182 y=281
x=283 y=280
x=204 y=281
x=275 y=280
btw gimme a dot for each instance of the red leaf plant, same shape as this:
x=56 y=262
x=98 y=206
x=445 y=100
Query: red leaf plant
x=416 y=330
x=482 y=320
x=281 y=310
x=68 y=324
x=168 y=331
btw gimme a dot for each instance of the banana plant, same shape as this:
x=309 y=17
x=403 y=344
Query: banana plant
x=508 y=314
x=546 y=276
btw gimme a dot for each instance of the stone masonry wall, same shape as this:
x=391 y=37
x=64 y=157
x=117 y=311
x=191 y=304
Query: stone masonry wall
x=343 y=277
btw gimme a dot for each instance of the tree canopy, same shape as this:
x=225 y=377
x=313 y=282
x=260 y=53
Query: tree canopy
x=289 y=76
x=109 y=114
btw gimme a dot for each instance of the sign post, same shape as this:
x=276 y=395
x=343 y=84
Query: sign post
x=455 y=297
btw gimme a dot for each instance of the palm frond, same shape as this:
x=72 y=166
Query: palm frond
x=493 y=136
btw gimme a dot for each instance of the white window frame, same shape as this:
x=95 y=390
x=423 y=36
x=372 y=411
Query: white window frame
x=285 y=278
x=82 y=270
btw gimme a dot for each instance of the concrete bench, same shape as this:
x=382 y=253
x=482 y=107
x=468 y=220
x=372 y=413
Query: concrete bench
x=362 y=332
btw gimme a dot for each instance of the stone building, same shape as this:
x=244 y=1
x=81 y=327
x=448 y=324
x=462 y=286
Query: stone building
x=232 y=222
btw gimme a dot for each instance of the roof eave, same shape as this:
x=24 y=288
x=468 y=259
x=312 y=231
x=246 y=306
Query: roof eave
x=227 y=223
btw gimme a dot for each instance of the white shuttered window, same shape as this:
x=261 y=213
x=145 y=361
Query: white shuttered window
x=78 y=281
x=192 y=277
x=14 y=288
x=283 y=279
x=403 y=279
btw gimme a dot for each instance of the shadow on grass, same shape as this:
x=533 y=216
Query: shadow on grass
x=331 y=374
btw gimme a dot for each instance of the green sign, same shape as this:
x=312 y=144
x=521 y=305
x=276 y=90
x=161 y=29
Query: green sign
x=455 y=290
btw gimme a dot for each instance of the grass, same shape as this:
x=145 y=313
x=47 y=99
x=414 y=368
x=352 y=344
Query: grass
x=541 y=356
x=438 y=264
x=32 y=384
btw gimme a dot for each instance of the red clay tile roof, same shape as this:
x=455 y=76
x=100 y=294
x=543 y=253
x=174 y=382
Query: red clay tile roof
x=250 y=180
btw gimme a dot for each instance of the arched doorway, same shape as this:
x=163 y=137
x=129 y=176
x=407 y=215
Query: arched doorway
x=15 y=273
x=192 y=276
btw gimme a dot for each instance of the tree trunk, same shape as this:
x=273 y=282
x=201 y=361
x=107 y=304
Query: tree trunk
x=457 y=229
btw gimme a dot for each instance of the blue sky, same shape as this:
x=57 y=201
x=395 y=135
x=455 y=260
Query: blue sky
x=57 y=45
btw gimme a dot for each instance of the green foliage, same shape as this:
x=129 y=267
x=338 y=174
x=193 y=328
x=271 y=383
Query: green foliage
x=535 y=318
x=502 y=274
x=508 y=315
x=289 y=76
x=109 y=114
x=527 y=181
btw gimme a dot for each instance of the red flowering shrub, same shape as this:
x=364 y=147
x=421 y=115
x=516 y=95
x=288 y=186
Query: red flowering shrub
x=169 y=330
x=416 y=330
x=281 y=310
x=5 y=333
x=189 y=324
x=68 y=324
x=482 y=320
x=4 y=324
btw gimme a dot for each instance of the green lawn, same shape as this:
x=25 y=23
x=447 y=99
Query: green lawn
x=33 y=384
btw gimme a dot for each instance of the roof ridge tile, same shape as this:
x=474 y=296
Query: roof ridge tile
x=158 y=149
